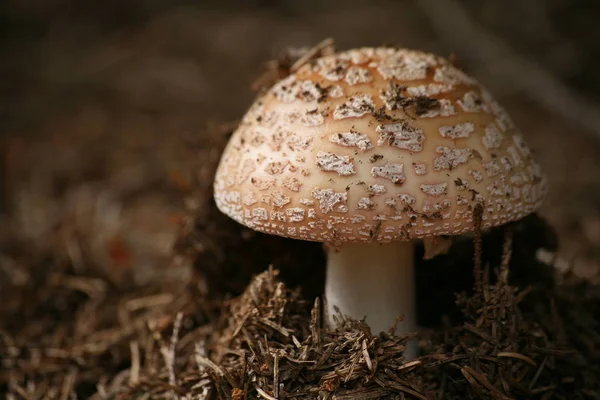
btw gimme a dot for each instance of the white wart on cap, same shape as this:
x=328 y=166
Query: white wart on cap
x=376 y=144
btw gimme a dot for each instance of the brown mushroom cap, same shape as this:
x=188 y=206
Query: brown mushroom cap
x=376 y=144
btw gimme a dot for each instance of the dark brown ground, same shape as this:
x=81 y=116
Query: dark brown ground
x=113 y=120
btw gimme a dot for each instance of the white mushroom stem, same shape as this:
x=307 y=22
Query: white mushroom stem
x=375 y=281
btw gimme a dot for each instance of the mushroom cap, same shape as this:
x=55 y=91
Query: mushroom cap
x=376 y=144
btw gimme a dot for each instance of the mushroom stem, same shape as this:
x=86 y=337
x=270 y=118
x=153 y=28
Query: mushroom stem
x=375 y=281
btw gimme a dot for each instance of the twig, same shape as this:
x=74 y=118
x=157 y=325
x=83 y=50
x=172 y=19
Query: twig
x=506 y=256
x=68 y=383
x=518 y=356
x=276 y=374
x=472 y=376
x=168 y=353
x=149 y=301
x=134 y=372
x=265 y=394
x=365 y=353
x=315 y=322
x=325 y=47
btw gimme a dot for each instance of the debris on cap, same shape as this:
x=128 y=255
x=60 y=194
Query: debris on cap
x=376 y=144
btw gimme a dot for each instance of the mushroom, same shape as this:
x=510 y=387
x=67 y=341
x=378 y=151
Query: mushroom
x=367 y=150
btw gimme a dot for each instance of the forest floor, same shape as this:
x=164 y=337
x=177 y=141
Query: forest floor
x=120 y=278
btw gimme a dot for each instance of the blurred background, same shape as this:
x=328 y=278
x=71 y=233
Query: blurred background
x=110 y=110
